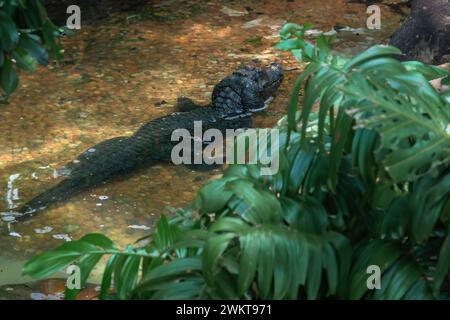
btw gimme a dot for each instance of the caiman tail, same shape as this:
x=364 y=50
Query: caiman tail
x=94 y=166
x=60 y=192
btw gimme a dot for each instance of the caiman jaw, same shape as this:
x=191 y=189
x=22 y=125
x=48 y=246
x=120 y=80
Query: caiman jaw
x=265 y=106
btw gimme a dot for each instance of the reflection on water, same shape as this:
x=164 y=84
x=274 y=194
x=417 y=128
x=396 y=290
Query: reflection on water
x=11 y=271
x=115 y=77
x=13 y=193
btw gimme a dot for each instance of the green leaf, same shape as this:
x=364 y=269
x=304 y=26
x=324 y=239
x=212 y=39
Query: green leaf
x=213 y=197
x=266 y=266
x=257 y=206
x=428 y=198
x=214 y=248
x=344 y=252
x=340 y=138
x=47 y=263
x=185 y=289
x=287 y=45
x=403 y=279
x=430 y=72
x=376 y=252
x=86 y=264
x=331 y=265
x=229 y=224
x=314 y=271
x=363 y=154
x=170 y=271
x=283 y=268
x=107 y=276
x=32 y=46
x=9 y=35
x=371 y=53
x=300 y=165
x=391 y=115
x=100 y=240
x=49 y=34
x=443 y=267
x=8 y=80
x=23 y=60
x=293 y=104
x=249 y=260
x=306 y=214
x=128 y=277
x=419 y=291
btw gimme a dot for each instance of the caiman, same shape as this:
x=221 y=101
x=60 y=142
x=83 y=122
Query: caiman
x=234 y=100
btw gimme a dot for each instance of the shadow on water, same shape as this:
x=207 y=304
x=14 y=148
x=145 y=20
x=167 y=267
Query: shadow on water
x=123 y=71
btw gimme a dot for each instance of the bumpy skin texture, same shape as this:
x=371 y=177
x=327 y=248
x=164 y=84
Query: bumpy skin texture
x=425 y=35
x=234 y=100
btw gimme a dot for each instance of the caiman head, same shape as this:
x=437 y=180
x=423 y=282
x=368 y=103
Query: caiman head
x=247 y=91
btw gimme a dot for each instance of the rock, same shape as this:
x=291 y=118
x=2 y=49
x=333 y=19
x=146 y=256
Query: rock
x=64 y=237
x=38 y=296
x=8 y=218
x=252 y=23
x=139 y=227
x=43 y=230
x=232 y=12
x=15 y=234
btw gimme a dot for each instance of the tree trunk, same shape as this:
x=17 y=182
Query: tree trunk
x=425 y=35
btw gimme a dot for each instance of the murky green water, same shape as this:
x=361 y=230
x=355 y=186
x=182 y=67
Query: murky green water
x=126 y=71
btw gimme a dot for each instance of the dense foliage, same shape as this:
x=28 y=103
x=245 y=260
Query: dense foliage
x=26 y=36
x=364 y=180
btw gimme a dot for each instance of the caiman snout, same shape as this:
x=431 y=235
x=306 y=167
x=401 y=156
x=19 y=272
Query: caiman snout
x=274 y=73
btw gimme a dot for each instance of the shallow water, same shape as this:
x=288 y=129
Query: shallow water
x=127 y=70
